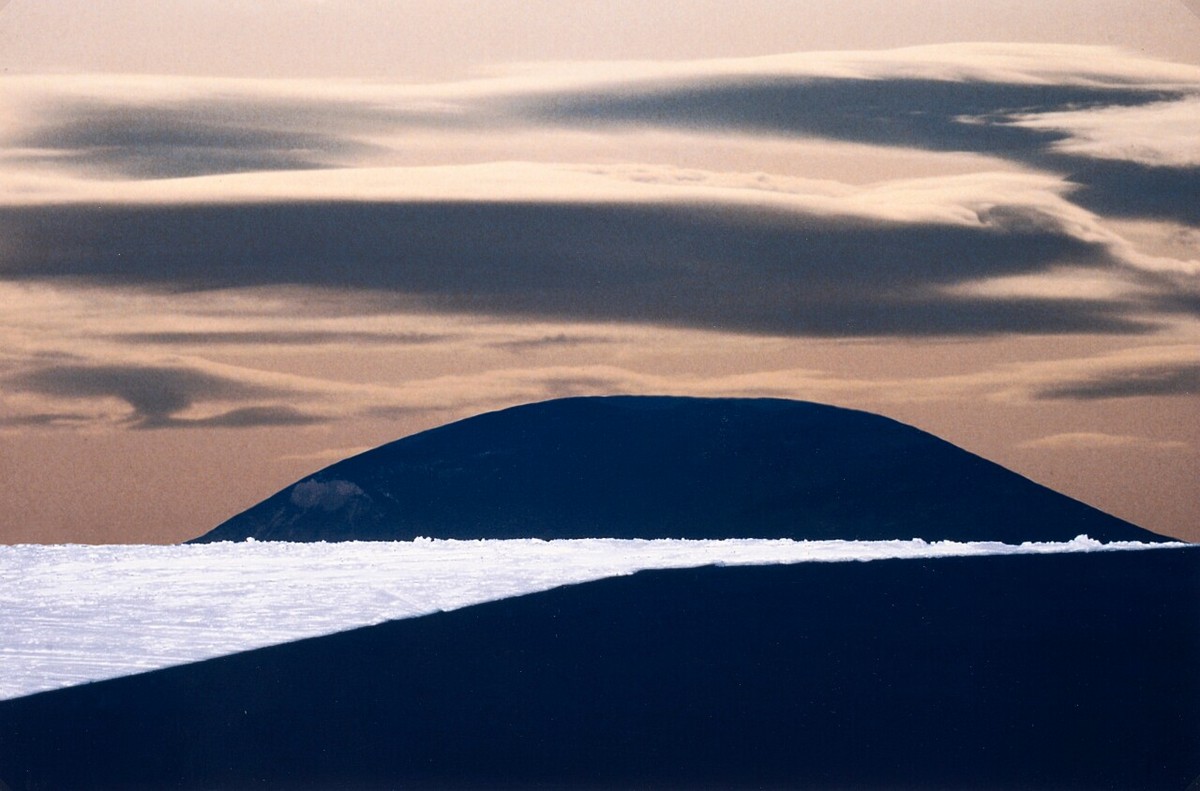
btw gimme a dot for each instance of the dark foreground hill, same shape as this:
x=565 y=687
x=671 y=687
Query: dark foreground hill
x=1049 y=672
x=663 y=467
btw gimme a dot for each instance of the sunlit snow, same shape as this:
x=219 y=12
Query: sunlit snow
x=70 y=613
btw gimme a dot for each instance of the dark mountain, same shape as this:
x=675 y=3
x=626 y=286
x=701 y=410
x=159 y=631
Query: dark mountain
x=1070 y=671
x=665 y=467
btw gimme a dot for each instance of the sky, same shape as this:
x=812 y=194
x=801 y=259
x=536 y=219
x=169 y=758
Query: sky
x=239 y=242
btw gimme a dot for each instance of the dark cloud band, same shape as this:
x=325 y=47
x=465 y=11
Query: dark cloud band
x=209 y=135
x=944 y=115
x=1132 y=189
x=1163 y=380
x=705 y=266
x=156 y=394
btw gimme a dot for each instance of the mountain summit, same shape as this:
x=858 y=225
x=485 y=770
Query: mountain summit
x=671 y=467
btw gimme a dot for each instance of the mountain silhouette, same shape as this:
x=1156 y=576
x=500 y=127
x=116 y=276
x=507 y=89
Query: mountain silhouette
x=671 y=467
x=1059 y=671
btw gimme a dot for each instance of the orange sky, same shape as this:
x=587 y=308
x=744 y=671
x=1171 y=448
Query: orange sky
x=239 y=242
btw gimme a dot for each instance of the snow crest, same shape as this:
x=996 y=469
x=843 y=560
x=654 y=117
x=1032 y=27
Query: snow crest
x=71 y=614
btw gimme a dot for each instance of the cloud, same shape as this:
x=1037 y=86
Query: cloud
x=1126 y=188
x=939 y=114
x=151 y=392
x=758 y=253
x=557 y=340
x=214 y=127
x=1015 y=383
x=230 y=397
x=328 y=455
x=1123 y=131
x=195 y=393
x=175 y=127
x=786 y=271
x=244 y=417
x=156 y=394
x=153 y=143
x=44 y=419
x=1021 y=101
x=1129 y=146
x=1182 y=379
x=1138 y=370
x=1099 y=441
x=276 y=338
x=1160 y=134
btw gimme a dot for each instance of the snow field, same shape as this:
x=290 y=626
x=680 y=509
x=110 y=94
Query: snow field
x=72 y=613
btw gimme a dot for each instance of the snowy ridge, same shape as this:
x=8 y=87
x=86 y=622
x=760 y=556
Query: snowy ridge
x=71 y=613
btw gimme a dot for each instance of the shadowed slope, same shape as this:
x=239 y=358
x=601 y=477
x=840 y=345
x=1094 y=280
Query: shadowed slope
x=1056 y=671
x=665 y=467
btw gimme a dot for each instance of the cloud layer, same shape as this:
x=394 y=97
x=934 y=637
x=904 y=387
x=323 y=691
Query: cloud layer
x=298 y=190
x=1095 y=130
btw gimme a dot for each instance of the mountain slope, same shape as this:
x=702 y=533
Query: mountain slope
x=1020 y=672
x=667 y=467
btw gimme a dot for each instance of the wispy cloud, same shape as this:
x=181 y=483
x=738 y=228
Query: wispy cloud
x=156 y=395
x=1160 y=134
x=244 y=417
x=1182 y=379
x=194 y=393
x=134 y=127
x=328 y=455
x=158 y=143
x=275 y=337
x=558 y=340
x=1099 y=441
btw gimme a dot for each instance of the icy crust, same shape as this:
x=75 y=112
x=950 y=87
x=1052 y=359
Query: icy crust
x=73 y=613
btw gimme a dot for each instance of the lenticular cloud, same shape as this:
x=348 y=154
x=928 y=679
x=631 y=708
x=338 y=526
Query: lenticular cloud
x=85 y=613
